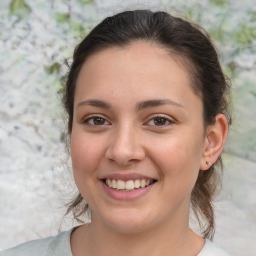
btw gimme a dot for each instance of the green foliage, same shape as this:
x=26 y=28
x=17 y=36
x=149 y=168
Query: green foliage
x=54 y=68
x=70 y=26
x=62 y=17
x=85 y=1
x=194 y=13
x=245 y=34
x=218 y=32
x=252 y=16
x=219 y=2
x=79 y=30
x=254 y=94
x=231 y=69
x=19 y=8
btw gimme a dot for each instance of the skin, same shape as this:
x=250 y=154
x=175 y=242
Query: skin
x=126 y=139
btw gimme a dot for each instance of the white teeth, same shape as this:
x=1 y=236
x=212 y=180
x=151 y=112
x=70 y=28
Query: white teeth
x=137 y=183
x=114 y=185
x=109 y=183
x=120 y=184
x=128 y=185
x=143 y=183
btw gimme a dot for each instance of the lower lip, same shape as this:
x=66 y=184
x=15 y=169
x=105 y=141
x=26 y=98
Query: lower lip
x=126 y=195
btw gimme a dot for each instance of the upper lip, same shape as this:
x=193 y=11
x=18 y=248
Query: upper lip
x=126 y=176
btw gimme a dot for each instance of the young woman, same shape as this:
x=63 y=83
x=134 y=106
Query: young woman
x=148 y=112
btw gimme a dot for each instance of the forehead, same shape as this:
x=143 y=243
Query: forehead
x=141 y=69
x=137 y=52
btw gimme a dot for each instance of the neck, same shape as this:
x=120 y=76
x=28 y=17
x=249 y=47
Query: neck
x=172 y=238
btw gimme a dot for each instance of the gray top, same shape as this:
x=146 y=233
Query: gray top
x=60 y=246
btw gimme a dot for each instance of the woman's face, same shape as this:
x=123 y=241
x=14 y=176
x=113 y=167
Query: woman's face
x=136 y=121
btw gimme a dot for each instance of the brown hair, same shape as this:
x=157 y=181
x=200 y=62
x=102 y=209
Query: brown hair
x=193 y=47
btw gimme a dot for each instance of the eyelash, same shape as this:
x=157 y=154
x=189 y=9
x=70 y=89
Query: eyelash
x=170 y=122
x=93 y=118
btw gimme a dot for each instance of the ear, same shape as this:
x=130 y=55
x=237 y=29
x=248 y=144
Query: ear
x=215 y=138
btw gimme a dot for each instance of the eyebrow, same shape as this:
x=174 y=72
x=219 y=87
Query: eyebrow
x=156 y=103
x=95 y=103
x=139 y=106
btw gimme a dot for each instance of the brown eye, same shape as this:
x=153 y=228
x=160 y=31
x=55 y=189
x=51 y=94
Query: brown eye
x=96 y=121
x=160 y=121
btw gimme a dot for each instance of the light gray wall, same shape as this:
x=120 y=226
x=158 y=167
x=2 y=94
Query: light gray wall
x=34 y=179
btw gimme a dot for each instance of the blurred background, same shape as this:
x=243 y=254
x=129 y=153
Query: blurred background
x=36 y=43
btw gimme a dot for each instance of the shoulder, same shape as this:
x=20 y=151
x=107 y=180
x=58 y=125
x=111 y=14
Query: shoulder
x=211 y=249
x=58 y=245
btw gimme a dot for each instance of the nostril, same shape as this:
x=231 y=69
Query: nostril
x=125 y=147
x=124 y=156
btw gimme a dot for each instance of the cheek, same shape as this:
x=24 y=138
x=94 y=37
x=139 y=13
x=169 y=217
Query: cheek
x=178 y=157
x=85 y=154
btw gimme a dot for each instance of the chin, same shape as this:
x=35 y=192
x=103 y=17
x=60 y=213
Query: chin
x=128 y=220
x=128 y=227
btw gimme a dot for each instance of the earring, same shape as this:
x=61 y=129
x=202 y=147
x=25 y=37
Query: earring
x=209 y=163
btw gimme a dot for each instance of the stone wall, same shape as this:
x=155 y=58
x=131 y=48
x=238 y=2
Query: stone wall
x=36 y=39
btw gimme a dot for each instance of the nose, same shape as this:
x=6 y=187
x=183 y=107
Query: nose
x=125 y=147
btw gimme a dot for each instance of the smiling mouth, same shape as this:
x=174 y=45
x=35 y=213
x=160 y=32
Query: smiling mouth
x=129 y=185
